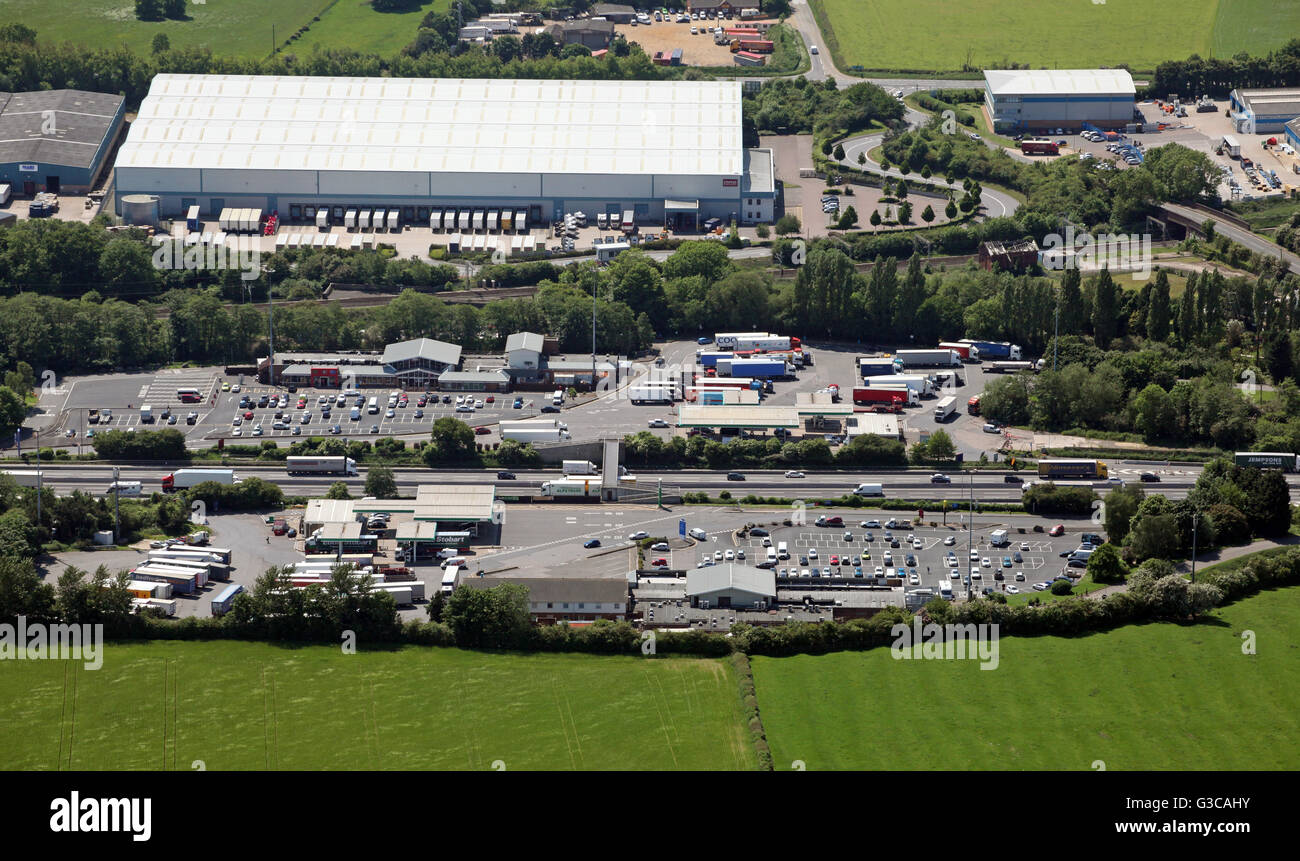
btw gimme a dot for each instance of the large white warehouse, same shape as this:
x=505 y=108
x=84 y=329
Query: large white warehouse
x=1042 y=99
x=665 y=150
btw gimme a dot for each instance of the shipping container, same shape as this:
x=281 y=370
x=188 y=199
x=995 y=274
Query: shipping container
x=652 y=393
x=394 y=219
x=754 y=368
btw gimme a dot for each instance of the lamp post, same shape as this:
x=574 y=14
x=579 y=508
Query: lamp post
x=1196 y=517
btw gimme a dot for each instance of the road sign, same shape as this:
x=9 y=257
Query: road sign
x=681 y=527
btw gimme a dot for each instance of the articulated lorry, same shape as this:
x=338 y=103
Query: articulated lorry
x=876 y=366
x=870 y=397
x=186 y=478
x=1283 y=460
x=929 y=358
x=1071 y=468
x=1010 y=367
x=652 y=393
x=754 y=341
x=535 y=434
x=25 y=477
x=968 y=352
x=945 y=409
x=329 y=465
x=916 y=382
x=994 y=349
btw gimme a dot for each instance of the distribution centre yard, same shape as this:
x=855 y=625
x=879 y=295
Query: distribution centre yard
x=901 y=34
x=1157 y=696
x=241 y=706
x=235 y=28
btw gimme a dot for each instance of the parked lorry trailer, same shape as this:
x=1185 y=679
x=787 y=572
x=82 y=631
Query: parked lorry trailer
x=994 y=349
x=186 y=478
x=652 y=393
x=968 y=352
x=945 y=409
x=168 y=606
x=527 y=435
x=710 y=358
x=1008 y=367
x=876 y=366
x=1283 y=460
x=183 y=582
x=572 y=487
x=330 y=465
x=1039 y=146
x=864 y=397
x=762 y=369
x=221 y=603
x=929 y=359
x=754 y=341
x=916 y=382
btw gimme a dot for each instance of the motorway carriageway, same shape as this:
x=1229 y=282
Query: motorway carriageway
x=1176 y=480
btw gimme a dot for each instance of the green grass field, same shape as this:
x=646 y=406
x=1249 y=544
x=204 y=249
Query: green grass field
x=1144 y=697
x=1062 y=34
x=234 y=705
x=241 y=28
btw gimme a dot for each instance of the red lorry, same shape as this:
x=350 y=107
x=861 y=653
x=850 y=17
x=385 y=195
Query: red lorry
x=864 y=397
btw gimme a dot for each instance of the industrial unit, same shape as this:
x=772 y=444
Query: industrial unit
x=1268 y=109
x=1042 y=99
x=289 y=144
x=56 y=140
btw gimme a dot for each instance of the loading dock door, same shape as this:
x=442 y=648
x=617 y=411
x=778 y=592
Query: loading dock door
x=682 y=216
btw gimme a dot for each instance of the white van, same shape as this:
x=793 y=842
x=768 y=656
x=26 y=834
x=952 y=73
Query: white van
x=998 y=538
x=372 y=406
x=869 y=490
x=771 y=556
x=783 y=550
x=558 y=397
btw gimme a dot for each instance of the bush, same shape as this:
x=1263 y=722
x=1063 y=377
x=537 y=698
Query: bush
x=1061 y=587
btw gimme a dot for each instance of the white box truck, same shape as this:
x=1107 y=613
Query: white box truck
x=929 y=358
x=572 y=487
x=998 y=538
x=527 y=435
x=25 y=477
x=945 y=409
x=333 y=465
x=124 y=488
x=916 y=382
x=652 y=393
x=580 y=467
x=945 y=589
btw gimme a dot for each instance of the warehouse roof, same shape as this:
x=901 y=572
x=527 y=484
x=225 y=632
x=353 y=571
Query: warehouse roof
x=525 y=341
x=422 y=348
x=598 y=590
x=760 y=172
x=455 y=502
x=1067 y=82
x=732 y=416
x=329 y=511
x=497 y=376
x=743 y=578
x=1272 y=102
x=81 y=121
x=438 y=125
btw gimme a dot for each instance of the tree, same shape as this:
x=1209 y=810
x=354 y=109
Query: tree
x=875 y=218
x=1106 y=566
x=12 y=411
x=1119 y=507
x=339 y=490
x=1159 y=313
x=848 y=219
x=786 y=225
x=862 y=158
x=904 y=212
x=1154 y=536
x=1278 y=357
x=1105 y=310
x=927 y=214
x=950 y=210
x=839 y=152
x=22 y=592
x=493 y=618
x=1062 y=587
x=174 y=9
x=161 y=44
x=452 y=439
x=149 y=10
x=1154 y=414
x=380 y=483
x=940 y=446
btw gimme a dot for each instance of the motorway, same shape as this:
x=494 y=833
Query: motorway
x=1176 y=480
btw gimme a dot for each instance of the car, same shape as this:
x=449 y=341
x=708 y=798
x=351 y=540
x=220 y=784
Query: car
x=590 y=543
x=870 y=524
x=835 y=560
x=829 y=521
x=257 y=430
x=464 y=408
x=735 y=476
x=638 y=535
x=803 y=560
x=248 y=414
x=848 y=537
x=909 y=560
x=717 y=555
x=1006 y=561
x=518 y=404
x=812 y=49
x=975 y=574
x=949 y=541
x=491 y=399
x=482 y=430
x=549 y=408
x=1012 y=479
x=917 y=545
x=1016 y=556
x=1020 y=575
x=879 y=571
x=90 y=433
x=759 y=532
x=990 y=427
x=225 y=387
x=888 y=558
x=1149 y=476
x=973 y=136
x=235 y=388
x=336 y=429
x=661 y=546
x=940 y=478
x=374 y=428
x=235 y=432
x=1075 y=562
x=794 y=473
x=1058 y=529
x=950 y=561
x=390 y=414
x=1024 y=546
x=812 y=552
x=986 y=563
x=1012 y=589
x=729 y=556
x=297 y=430
x=1041 y=587
x=657 y=423
x=419 y=414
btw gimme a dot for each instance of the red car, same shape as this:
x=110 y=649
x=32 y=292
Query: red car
x=1058 y=529
x=422 y=401
x=491 y=399
x=835 y=560
x=248 y=414
x=659 y=563
x=482 y=430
